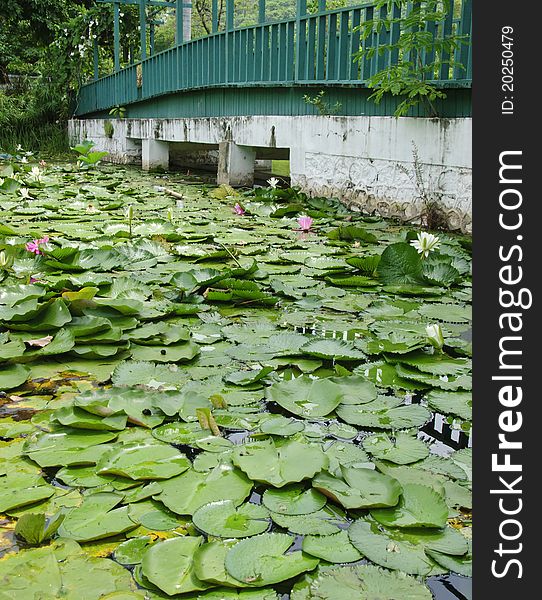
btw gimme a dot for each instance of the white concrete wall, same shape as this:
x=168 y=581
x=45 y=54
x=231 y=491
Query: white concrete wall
x=365 y=161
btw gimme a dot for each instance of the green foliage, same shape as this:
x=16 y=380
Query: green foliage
x=413 y=75
x=321 y=105
x=119 y=112
x=85 y=155
x=109 y=130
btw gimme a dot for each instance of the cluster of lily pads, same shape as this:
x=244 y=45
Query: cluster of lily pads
x=212 y=403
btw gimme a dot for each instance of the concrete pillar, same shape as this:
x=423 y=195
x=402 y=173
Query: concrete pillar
x=236 y=164
x=154 y=154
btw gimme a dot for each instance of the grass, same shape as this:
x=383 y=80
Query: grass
x=281 y=167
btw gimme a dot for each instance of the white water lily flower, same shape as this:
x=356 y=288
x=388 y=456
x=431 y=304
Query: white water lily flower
x=24 y=159
x=435 y=336
x=25 y=193
x=273 y=182
x=426 y=243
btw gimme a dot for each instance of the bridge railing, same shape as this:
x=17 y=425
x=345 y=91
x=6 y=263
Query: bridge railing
x=317 y=49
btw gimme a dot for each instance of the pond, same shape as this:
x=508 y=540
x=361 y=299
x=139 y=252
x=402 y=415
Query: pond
x=220 y=394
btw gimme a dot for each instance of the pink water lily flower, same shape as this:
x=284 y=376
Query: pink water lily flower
x=34 y=246
x=305 y=223
x=238 y=209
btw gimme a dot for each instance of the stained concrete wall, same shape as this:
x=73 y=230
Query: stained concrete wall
x=368 y=162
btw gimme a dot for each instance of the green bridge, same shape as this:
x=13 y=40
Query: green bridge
x=268 y=67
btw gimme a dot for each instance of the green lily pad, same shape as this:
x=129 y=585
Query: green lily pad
x=359 y=487
x=96 y=518
x=405 y=550
x=191 y=490
x=279 y=425
x=335 y=548
x=12 y=376
x=360 y=582
x=333 y=349
x=325 y=521
x=306 y=397
x=384 y=414
x=169 y=565
x=173 y=353
x=261 y=560
x=62 y=569
x=419 y=506
x=21 y=489
x=69 y=447
x=143 y=460
x=402 y=449
x=224 y=519
x=131 y=551
x=279 y=463
x=293 y=499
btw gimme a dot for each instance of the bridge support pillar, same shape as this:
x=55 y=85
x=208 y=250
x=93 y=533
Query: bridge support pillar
x=154 y=154
x=236 y=164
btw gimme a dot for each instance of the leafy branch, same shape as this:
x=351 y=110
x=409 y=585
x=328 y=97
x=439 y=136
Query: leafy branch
x=421 y=51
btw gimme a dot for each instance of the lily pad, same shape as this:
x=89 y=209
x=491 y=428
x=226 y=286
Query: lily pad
x=96 y=518
x=419 y=506
x=360 y=582
x=170 y=565
x=223 y=519
x=359 y=487
x=384 y=414
x=293 y=499
x=405 y=551
x=335 y=548
x=191 y=490
x=261 y=560
x=279 y=463
x=143 y=461
x=402 y=449
x=306 y=397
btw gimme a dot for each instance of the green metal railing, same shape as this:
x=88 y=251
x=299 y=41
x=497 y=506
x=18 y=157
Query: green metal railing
x=310 y=49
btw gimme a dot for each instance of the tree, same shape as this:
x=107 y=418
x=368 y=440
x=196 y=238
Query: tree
x=420 y=54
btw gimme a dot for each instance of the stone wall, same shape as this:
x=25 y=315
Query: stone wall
x=367 y=162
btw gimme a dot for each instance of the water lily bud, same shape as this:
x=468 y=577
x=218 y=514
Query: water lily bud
x=435 y=336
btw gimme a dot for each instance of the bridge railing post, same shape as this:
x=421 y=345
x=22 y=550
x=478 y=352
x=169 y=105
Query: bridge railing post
x=261 y=12
x=179 y=31
x=301 y=40
x=214 y=13
x=116 y=35
x=143 y=28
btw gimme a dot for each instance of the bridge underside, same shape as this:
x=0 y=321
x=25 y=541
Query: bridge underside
x=366 y=161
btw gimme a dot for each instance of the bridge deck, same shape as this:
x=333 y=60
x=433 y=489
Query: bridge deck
x=313 y=51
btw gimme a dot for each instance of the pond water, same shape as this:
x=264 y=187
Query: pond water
x=233 y=394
